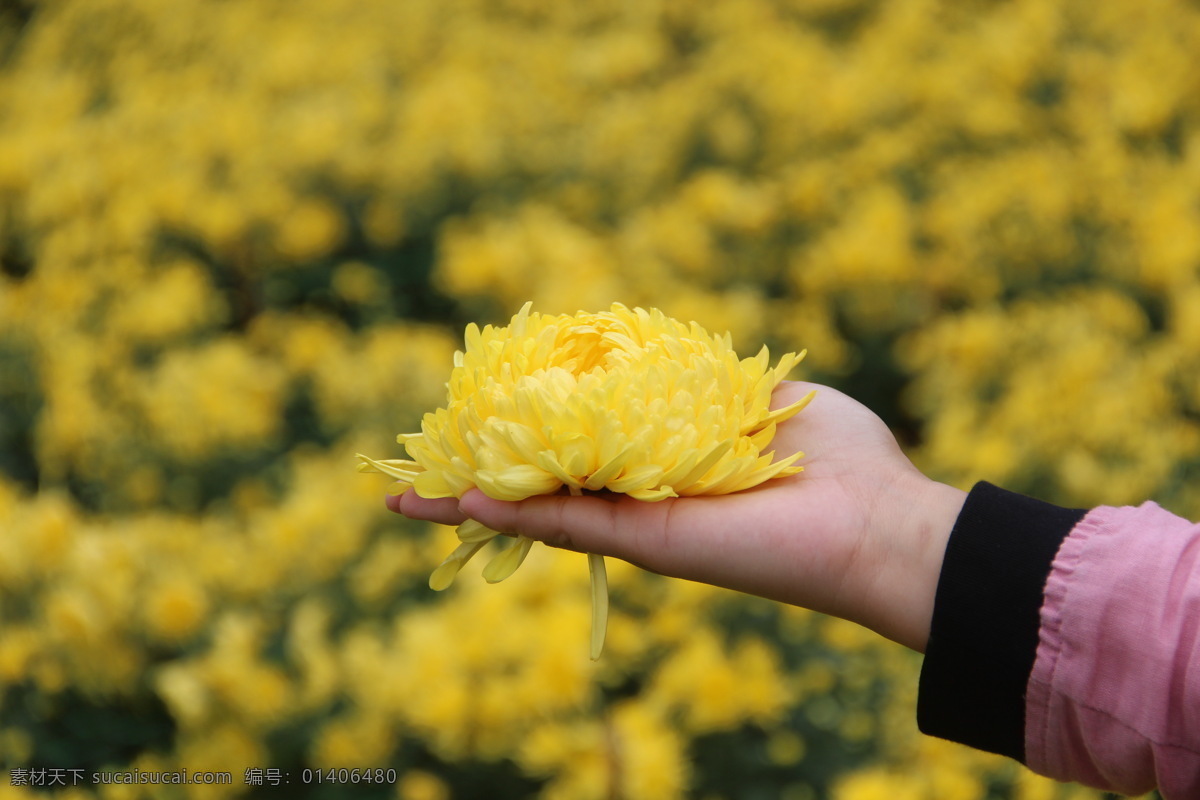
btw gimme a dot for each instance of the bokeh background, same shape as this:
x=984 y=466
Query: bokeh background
x=239 y=240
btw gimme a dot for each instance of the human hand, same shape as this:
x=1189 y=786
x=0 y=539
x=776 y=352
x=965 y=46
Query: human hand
x=859 y=534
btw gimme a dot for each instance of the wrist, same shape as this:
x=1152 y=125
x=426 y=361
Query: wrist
x=925 y=512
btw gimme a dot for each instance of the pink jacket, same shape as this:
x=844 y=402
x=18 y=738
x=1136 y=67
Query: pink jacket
x=1113 y=700
x=1070 y=640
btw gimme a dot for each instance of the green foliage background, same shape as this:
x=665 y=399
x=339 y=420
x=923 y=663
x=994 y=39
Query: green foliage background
x=239 y=241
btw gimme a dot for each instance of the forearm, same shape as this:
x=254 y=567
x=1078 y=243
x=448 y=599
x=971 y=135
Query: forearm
x=911 y=538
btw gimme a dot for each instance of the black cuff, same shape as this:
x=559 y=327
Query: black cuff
x=984 y=633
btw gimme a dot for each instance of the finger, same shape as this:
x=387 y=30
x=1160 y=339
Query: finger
x=586 y=523
x=718 y=540
x=443 y=510
x=621 y=527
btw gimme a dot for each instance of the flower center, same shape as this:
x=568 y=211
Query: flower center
x=586 y=347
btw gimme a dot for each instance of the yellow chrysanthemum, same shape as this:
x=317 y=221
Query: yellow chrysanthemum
x=627 y=401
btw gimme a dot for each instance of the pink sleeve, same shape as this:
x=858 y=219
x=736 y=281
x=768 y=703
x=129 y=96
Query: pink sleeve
x=1113 y=700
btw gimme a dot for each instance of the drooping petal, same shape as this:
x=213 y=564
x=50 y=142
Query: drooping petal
x=444 y=575
x=472 y=531
x=599 y=578
x=505 y=562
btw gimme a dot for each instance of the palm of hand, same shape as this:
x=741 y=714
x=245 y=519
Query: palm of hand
x=805 y=540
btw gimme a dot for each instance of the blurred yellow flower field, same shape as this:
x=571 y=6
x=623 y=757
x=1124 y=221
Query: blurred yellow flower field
x=239 y=243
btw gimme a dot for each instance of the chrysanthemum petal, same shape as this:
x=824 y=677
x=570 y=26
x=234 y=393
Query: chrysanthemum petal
x=765 y=474
x=577 y=454
x=459 y=476
x=599 y=578
x=787 y=412
x=519 y=438
x=548 y=460
x=606 y=471
x=517 y=482
x=761 y=396
x=432 y=484
x=762 y=437
x=505 y=562
x=726 y=475
x=786 y=364
x=472 y=531
x=653 y=495
x=685 y=464
x=642 y=477
x=397 y=468
x=444 y=575
x=703 y=465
